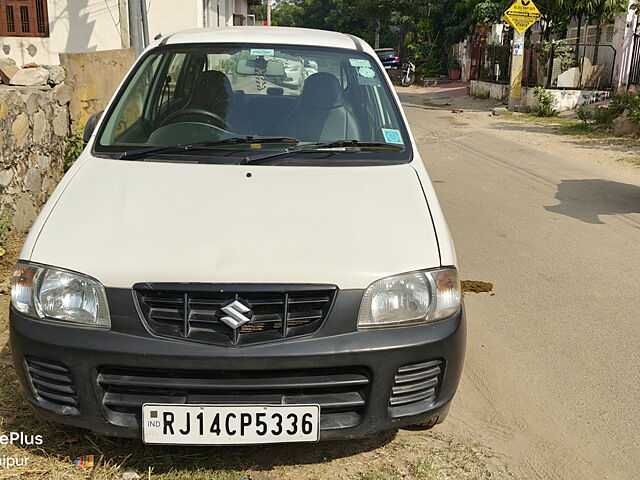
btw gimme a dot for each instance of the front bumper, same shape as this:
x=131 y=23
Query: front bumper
x=86 y=362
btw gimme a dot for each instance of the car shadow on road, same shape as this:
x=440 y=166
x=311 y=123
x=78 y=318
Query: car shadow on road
x=588 y=199
x=65 y=444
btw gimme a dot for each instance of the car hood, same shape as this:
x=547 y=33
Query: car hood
x=124 y=222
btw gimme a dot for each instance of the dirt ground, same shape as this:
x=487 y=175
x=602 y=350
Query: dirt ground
x=408 y=454
x=551 y=378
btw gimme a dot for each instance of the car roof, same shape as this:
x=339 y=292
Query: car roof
x=267 y=35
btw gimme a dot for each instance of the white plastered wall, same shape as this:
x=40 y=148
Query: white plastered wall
x=93 y=25
x=74 y=26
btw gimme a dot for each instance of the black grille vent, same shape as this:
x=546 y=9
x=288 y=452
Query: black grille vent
x=341 y=394
x=415 y=388
x=194 y=312
x=52 y=383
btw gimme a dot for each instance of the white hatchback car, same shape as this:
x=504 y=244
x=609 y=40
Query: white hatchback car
x=233 y=260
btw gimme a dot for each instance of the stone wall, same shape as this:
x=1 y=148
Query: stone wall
x=93 y=77
x=563 y=99
x=34 y=125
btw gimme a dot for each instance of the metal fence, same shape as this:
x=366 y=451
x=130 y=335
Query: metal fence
x=552 y=65
x=634 y=71
x=494 y=63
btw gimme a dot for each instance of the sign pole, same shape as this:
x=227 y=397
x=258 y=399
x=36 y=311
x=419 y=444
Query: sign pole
x=517 y=55
x=520 y=16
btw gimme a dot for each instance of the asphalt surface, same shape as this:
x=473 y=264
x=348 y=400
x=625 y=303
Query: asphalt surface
x=552 y=379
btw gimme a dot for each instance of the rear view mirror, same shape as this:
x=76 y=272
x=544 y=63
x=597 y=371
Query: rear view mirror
x=90 y=126
x=248 y=67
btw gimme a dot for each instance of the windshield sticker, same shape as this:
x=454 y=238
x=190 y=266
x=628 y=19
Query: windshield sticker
x=368 y=82
x=392 y=136
x=367 y=72
x=359 y=62
x=262 y=52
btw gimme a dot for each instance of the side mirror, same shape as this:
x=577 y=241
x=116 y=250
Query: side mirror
x=90 y=126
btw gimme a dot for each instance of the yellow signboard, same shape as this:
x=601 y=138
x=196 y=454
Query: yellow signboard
x=522 y=14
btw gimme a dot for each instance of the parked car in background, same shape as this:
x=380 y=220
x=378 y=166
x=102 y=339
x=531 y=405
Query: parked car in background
x=389 y=58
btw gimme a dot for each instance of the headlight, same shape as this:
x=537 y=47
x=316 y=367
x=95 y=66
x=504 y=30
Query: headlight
x=410 y=299
x=47 y=293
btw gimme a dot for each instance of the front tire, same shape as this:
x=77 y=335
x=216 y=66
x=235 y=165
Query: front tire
x=408 y=80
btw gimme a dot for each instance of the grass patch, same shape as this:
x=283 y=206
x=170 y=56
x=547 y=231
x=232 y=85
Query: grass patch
x=633 y=159
x=548 y=121
x=573 y=127
x=448 y=460
x=578 y=129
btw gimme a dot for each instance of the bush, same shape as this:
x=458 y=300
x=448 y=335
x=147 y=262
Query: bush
x=620 y=102
x=605 y=115
x=545 y=102
x=584 y=114
x=6 y=221
x=623 y=101
x=453 y=64
x=73 y=149
x=628 y=101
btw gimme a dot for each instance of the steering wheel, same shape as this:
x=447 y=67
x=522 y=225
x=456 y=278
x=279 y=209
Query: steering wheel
x=188 y=114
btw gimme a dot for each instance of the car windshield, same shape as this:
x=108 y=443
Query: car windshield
x=195 y=94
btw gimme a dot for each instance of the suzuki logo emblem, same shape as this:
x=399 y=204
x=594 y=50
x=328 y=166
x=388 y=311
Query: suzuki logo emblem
x=236 y=314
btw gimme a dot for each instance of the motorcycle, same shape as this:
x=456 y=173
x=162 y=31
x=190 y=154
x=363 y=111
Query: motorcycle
x=408 y=74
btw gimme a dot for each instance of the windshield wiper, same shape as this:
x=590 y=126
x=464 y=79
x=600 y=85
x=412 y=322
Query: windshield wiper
x=319 y=146
x=143 y=152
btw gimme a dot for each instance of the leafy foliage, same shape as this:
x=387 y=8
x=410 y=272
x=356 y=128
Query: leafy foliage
x=421 y=29
x=73 y=149
x=545 y=102
x=426 y=29
x=628 y=101
x=562 y=50
x=6 y=221
x=605 y=115
x=584 y=114
x=454 y=64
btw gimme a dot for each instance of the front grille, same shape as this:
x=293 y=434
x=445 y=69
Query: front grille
x=193 y=312
x=341 y=394
x=415 y=388
x=52 y=384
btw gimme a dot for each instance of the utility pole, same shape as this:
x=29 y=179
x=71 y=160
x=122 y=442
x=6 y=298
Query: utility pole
x=520 y=16
x=517 y=52
x=135 y=26
x=145 y=23
x=269 y=13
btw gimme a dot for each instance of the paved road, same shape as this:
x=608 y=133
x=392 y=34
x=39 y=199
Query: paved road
x=552 y=378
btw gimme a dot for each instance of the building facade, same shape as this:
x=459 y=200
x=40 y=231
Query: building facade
x=36 y=31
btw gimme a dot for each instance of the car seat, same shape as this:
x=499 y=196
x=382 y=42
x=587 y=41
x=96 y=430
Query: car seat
x=321 y=113
x=212 y=92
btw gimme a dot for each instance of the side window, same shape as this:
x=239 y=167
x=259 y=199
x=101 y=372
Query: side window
x=131 y=107
x=170 y=92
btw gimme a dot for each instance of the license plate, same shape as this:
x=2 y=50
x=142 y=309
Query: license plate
x=229 y=424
